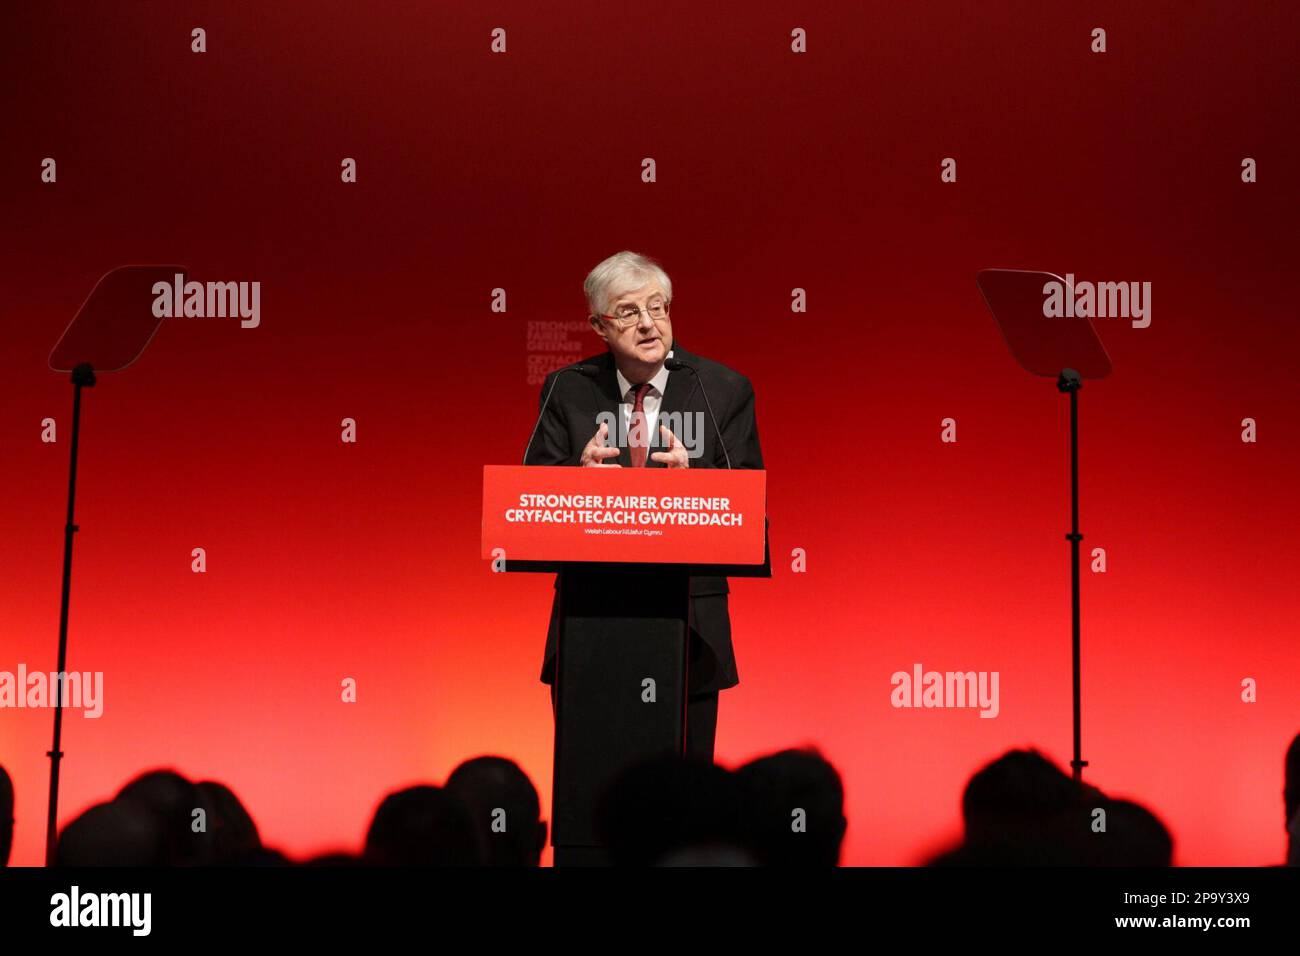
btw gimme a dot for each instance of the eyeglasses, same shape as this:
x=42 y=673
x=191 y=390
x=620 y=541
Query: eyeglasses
x=626 y=316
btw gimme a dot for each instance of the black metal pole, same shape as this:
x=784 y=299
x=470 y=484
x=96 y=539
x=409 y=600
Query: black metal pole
x=82 y=376
x=1071 y=382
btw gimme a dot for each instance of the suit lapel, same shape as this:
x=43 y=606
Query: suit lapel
x=608 y=401
x=677 y=395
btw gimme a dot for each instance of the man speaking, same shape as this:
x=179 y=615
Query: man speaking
x=644 y=386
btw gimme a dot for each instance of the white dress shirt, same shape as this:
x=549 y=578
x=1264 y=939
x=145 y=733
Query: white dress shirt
x=653 y=399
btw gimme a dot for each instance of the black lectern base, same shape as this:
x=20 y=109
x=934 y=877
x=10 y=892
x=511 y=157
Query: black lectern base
x=620 y=687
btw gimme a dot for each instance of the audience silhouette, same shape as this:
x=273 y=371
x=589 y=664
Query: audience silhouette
x=796 y=809
x=233 y=836
x=505 y=808
x=671 y=804
x=1291 y=801
x=1023 y=810
x=785 y=809
x=122 y=832
x=173 y=800
x=6 y=816
x=423 y=826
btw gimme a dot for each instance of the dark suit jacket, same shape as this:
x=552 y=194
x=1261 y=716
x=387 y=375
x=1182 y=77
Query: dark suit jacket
x=571 y=420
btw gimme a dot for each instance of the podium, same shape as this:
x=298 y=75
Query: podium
x=625 y=543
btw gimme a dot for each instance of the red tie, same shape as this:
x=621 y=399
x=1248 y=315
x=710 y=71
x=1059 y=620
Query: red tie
x=638 y=439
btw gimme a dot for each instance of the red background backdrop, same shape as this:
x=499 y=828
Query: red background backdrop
x=775 y=171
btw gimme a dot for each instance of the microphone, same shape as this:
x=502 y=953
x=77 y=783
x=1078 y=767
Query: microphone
x=673 y=364
x=588 y=371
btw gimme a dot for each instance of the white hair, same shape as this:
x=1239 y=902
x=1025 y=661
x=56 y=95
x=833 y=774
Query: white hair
x=619 y=274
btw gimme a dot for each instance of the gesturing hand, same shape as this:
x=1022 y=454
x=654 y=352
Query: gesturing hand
x=675 y=456
x=594 y=455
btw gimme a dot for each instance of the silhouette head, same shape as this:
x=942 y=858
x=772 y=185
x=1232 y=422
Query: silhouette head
x=1134 y=837
x=174 y=799
x=791 y=786
x=6 y=816
x=122 y=832
x=1291 y=780
x=423 y=826
x=234 y=836
x=668 y=804
x=1020 y=787
x=505 y=807
x=1023 y=809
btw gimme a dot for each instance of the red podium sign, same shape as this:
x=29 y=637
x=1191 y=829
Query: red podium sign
x=624 y=515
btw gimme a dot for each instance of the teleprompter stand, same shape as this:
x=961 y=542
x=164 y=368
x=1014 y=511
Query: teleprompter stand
x=1067 y=350
x=108 y=333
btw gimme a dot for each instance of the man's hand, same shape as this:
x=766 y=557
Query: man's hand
x=675 y=456
x=594 y=455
